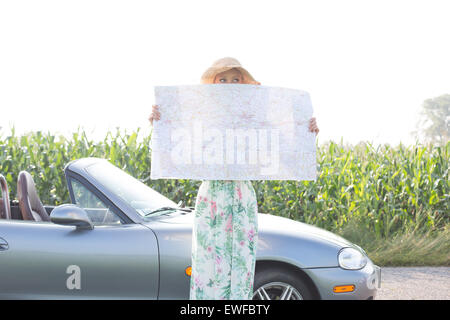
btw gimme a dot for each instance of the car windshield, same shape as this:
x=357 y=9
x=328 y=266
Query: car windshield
x=138 y=195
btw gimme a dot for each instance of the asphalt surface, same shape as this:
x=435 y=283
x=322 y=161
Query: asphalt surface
x=414 y=283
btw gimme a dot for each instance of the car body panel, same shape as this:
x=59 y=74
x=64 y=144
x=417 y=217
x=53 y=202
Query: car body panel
x=114 y=261
x=365 y=281
x=298 y=246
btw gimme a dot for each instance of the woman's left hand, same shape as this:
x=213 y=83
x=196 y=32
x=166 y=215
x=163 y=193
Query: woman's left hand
x=313 y=126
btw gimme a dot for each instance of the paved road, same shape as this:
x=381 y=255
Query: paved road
x=414 y=283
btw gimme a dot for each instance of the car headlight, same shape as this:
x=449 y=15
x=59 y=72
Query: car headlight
x=352 y=259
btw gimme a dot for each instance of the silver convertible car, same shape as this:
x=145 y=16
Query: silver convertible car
x=120 y=239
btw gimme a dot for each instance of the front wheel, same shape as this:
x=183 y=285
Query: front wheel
x=280 y=284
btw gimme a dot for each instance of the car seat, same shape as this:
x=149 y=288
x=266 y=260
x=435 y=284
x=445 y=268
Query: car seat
x=29 y=202
x=5 y=208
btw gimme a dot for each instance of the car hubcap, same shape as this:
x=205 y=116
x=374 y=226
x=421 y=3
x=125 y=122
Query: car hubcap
x=277 y=291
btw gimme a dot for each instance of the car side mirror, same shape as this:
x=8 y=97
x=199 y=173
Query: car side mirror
x=71 y=215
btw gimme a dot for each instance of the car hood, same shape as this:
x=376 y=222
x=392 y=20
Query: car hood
x=266 y=223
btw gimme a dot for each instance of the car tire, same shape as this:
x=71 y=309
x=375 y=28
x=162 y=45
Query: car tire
x=272 y=283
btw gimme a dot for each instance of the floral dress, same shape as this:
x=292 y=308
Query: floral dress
x=224 y=241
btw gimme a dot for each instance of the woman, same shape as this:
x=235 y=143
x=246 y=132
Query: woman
x=225 y=231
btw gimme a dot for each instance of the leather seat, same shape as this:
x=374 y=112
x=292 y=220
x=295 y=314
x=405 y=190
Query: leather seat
x=29 y=202
x=5 y=208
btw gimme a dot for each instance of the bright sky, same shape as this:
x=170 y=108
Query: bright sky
x=368 y=65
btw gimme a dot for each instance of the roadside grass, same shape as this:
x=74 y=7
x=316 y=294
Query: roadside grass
x=411 y=246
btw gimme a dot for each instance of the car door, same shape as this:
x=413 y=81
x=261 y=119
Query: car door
x=45 y=260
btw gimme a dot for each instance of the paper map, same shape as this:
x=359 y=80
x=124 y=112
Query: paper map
x=232 y=132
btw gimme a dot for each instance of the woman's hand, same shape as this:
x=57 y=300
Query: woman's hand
x=313 y=126
x=155 y=115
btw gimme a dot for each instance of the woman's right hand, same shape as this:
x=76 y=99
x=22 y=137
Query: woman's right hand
x=155 y=115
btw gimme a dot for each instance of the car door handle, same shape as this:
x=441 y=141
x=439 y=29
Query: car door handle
x=3 y=245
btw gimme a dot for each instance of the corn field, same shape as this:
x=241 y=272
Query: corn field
x=382 y=191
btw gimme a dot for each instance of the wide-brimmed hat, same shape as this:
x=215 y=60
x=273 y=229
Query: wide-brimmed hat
x=223 y=65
